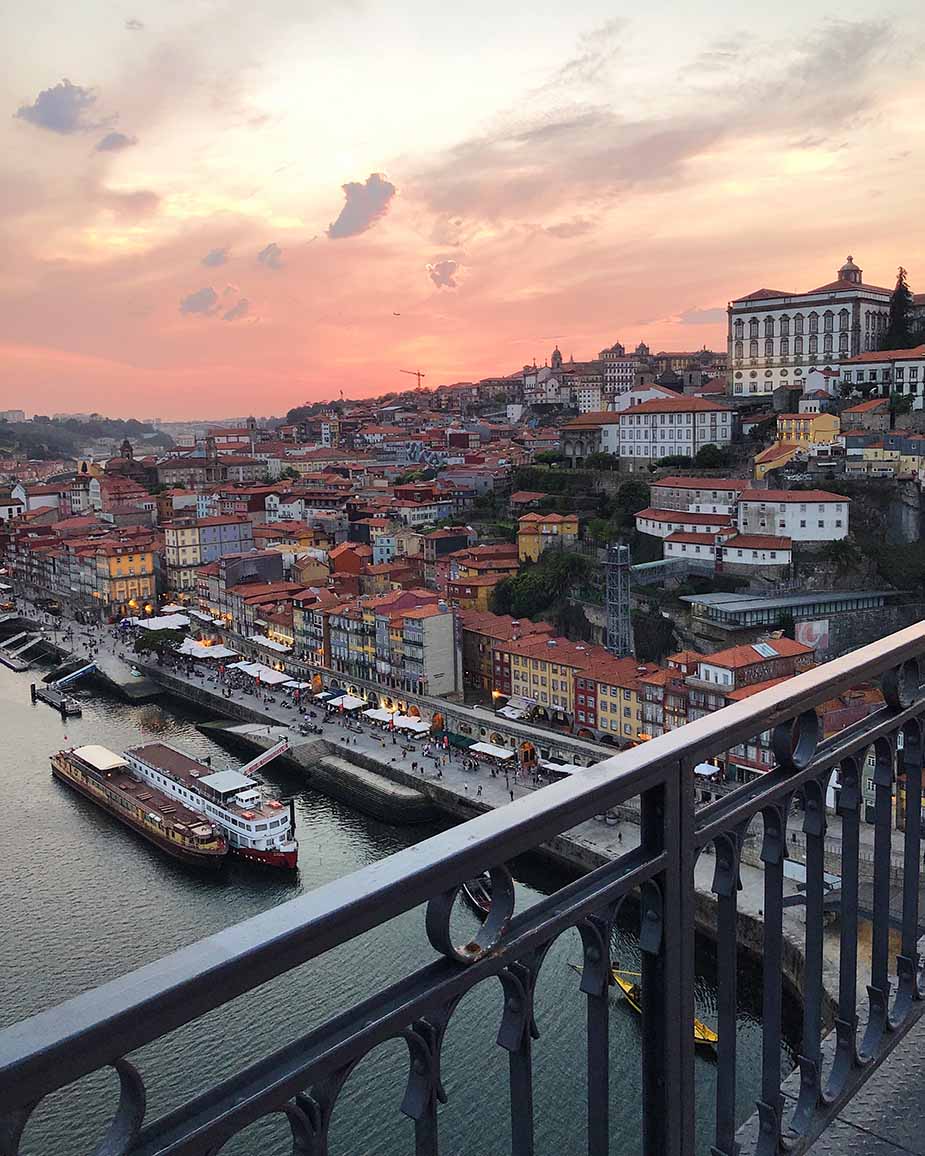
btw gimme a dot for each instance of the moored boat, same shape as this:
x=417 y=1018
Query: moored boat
x=632 y=993
x=106 y=779
x=258 y=830
x=478 y=894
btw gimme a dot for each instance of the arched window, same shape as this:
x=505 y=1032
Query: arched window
x=827 y=343
x=785 y=326
x=814 y=322
x=798 y=323
x=753 y=327
x=785 y=347
x=813 y=345
x=769 y=347
x=798 y=346
x=740 y=328
x=843 y=317
x=828 y=319
x=753 y=349
x=843 y=343
x=739 y=349
x=769 y=326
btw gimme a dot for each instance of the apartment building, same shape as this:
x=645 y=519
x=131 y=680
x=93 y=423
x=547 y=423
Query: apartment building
x=698 y=495
x=672 y=426
x=537 y=532
x=193 y=542
x=801 y=515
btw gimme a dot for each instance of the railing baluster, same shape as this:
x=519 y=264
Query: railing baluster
x=667 y=939
x=595 y=983
x=726 y=885
x=849 y=809
x=878 y=990
x=773 y=853
x=814 y=827
x=907 y=964
x=516 y=1036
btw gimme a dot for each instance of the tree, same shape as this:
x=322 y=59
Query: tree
x=900 y=403
x=899 y=327
x=601 y=461
x=289 y=474
x=711 y=457
x=157 y=641
x=653 y=635
x=841 y=554
x=549 y=458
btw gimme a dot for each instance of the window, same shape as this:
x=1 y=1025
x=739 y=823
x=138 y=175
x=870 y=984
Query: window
x=814 y=322
x=753 y=349
x=828 y=321
x=739 y=349
x=769 y=326
x=785 y=347
x=813 y=346
x=785 y=326
x=798 y=323
x=843 y=343
x=798 y=346
x=802 y=523
x=827 y=343
x=769 y=347
x=753 y=327
x=739 y=327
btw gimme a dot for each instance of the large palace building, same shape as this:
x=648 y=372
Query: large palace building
x=776 y=338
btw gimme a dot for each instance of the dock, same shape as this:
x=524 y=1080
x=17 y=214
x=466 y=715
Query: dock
x=69 y=707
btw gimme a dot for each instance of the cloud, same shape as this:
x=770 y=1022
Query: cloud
x=114 y=142
x=203 y=301
x=443 y=273
x=133 y=25
x=574 y=228
x=214 y=258
x=594 y=51
x=237 y=311
x=64 y=109
x=271 y=256
x=697 y=316
x=130 y=202
x=365 y=204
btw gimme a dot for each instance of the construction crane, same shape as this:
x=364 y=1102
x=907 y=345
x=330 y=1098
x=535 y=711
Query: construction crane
x=414 y=373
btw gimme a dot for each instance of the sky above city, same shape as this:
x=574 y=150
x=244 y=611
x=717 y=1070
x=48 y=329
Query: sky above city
x=210 y=207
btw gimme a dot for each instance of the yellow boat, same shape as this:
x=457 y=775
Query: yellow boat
x=632 y=993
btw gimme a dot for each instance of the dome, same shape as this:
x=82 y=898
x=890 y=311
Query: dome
x=849 y=271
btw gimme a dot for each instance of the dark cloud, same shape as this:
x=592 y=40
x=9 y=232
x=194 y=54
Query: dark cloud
x=203 y=301
x=214 y=258
x=271 y=256
x=443 y=273
x=65 y=108
x=365 y=204
x=697 y=316
x=237 y=311
x=574 y=228
x=114 y=142
x=133 y=25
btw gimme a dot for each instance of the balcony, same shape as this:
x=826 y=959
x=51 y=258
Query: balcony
x=303 y=1080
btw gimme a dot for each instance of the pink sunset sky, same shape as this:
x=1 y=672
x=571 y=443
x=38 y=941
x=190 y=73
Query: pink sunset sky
x=213 y=208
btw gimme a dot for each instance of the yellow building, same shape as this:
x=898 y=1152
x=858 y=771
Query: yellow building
x=472 y=593
x=773 y=458
x=803 y=429
x=125 y=581
x=536 y=532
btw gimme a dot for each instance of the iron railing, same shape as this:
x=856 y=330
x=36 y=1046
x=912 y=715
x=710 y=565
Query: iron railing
x=304 y=1079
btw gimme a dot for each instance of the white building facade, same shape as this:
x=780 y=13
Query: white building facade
x=801 y=515
x=669 y=426
x=776 y=338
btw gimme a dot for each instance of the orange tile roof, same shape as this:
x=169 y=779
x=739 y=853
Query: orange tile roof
x=915 y=352
x=677 y=405
x=757 y=542
x=684 y=517
x=704 y=483
x=791 y=496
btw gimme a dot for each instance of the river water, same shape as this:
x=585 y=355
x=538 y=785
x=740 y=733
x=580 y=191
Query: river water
x=87 y=900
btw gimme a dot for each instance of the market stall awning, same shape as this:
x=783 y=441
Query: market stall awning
x=346 y=702
x=406 y=722
x=462 y=741
x=512 y=712
x=193 y=649
x=269 y=643
x=491 y=751
x=173 y=608
x=294 y=684
x=377 y=714
x=162 y=622
x=200 y=614
x=266 y=674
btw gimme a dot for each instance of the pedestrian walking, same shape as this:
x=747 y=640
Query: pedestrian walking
x=512 y=796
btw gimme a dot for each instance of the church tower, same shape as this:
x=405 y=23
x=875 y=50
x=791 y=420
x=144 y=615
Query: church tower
x=556 y=359
x=126 y=451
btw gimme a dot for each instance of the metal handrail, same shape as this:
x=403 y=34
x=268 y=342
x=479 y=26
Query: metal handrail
x=98 y=1027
